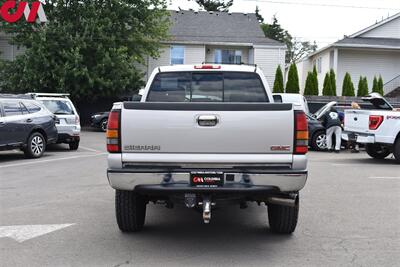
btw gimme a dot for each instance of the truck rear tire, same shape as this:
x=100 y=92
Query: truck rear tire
x=283 y=219
x=130 y=209
x=396 y=150
x=377 y=151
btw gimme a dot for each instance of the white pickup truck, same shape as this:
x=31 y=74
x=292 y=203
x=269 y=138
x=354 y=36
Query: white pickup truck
x=203 y=136
x=378 y=129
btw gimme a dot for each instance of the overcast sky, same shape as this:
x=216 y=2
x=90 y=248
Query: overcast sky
x=325 y=24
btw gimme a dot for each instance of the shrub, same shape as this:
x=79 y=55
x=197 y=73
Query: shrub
x=375 y=86
x=292 y=85
x=315 y=81
x=348 y=86
x=362 y=87
x=332 y=76
x=327 y=90
x=278 y=83
x=380 y=85
x=309 y=87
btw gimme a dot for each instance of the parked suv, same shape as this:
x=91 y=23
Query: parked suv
x=25 y=124
x=68 y=122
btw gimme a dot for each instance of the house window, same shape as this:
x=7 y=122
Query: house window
x=177 y=55
x=318 y=64
x=331 y=59
x=226 y=56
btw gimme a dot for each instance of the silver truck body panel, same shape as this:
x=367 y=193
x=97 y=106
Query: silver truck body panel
x=237 y=132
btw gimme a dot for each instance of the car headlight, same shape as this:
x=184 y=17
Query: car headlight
x=96 y=116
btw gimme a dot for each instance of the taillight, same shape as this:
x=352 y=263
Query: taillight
x=207 y=67
x=77 y=120
x=301 y=133
x=113 y=132
x=375 y=121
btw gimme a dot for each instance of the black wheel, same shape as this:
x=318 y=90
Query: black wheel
x=103 y=125
x=283 y=219
x=35 y=146
x=130 y=209
x=74 y=145
x=396 y=150
x=377 y=151
x=318 y=141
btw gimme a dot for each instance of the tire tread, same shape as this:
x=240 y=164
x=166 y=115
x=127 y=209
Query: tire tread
x=283 y=219
x=130 y=211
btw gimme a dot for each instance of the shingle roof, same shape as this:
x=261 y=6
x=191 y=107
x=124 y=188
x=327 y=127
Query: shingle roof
x=217 y=27
x=364 y=41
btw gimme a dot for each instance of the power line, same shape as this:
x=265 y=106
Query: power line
x=322 y=5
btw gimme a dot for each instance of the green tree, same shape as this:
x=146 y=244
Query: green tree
x=278 y=83
x=88 y=48
x=332 y=76
x=292 y=85
x=362 y=86
x=327 y=91
x=215 y=5
x=309 y=86
x=366 y=86
x=259 y=16
x=375 y=86
x=348 y=86
x=380 y=85
x=315 y=81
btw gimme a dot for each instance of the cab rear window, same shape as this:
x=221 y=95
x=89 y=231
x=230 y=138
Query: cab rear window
x=207 y=87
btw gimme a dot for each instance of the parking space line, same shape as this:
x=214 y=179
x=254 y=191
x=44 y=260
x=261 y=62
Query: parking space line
x=50 y=160
x=383 y=177
x=90 y=149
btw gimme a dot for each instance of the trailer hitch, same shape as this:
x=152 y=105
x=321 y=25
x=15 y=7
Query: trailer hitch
x=206 y=203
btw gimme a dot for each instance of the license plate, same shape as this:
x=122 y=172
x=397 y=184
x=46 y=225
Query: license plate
x=207 y=179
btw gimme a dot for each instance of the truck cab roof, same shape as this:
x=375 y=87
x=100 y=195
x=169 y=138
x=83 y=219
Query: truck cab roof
x=209 y=67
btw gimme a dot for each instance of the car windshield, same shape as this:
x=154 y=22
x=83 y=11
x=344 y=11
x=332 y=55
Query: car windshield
x=59 y=107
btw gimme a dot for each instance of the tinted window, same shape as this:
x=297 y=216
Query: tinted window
x=243 y=87
x=58 y=107
x=170 y=87
x=207 y=87
x=32 y=108
x=12 y=108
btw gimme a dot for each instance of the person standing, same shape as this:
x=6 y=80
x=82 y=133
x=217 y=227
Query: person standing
x=333 y=126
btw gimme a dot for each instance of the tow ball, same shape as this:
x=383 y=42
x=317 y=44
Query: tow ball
x=190 y=202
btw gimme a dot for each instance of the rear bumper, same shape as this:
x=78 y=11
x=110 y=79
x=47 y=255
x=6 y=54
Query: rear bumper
x=67 y=138
x=174 y=182
x=361 y=138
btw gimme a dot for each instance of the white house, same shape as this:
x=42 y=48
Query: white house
x=370 y=52
x=219 y=37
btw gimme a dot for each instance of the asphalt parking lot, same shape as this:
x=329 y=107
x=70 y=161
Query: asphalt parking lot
x=349 y=216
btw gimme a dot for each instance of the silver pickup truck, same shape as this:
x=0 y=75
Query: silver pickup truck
x=203 y=136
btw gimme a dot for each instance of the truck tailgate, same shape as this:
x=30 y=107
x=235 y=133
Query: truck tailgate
x=239 y=128
x=357 y=121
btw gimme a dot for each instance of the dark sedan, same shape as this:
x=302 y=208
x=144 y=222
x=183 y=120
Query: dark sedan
x=317 y=134
x=100 y=120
